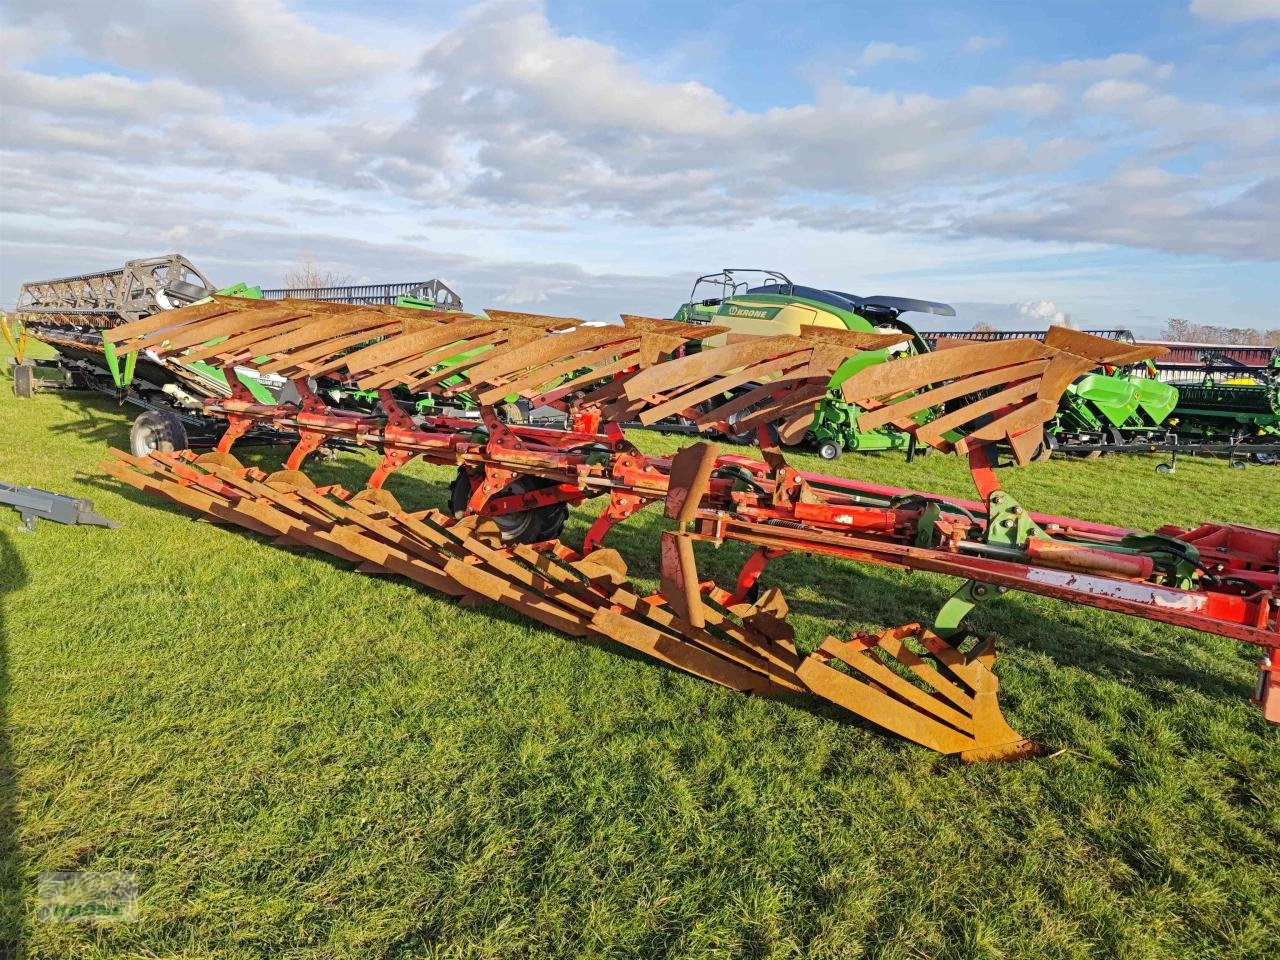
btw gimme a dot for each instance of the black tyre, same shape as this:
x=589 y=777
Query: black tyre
x=524 y=526
x=157 y=431
x=829 y=450
x=24 y=380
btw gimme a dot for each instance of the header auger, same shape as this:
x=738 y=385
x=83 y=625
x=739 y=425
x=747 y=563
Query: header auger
x=500 y=542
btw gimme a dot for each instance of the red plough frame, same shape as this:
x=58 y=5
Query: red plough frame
x=515 y=484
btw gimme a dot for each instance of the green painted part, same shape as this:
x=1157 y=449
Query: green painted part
x=252 y=384
x=1156 y=400
x=949 y=623
x=130 y=362
x=239 y=290
x=1076 y=413
x=926 y=530
x=113 y=363
x=1124 y=401
x=1114 y=398
x=1008 y=524
x=255 y=387
x=418 y=303
x=835 y=419
x=1178 y=561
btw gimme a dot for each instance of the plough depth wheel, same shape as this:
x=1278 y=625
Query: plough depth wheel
x=534 y=525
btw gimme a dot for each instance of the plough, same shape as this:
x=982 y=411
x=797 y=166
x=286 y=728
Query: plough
x=500 y=541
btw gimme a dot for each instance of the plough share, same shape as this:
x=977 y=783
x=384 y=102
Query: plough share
x=500 y=540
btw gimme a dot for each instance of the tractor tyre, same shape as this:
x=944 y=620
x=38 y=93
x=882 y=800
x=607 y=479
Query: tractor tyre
x=24 y=380
x=523 y=526
x=829 y=450
x=157 y=431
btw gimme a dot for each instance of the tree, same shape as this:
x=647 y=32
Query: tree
x=308 y=275
x=1184 y=331
x=982 y=327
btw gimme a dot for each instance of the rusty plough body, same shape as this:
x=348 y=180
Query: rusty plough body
x=930 y=683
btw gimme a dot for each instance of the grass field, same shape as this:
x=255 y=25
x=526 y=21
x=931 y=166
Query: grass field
x=301 y=761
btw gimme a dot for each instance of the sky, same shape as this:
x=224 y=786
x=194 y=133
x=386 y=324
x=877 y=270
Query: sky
x=1111 y=163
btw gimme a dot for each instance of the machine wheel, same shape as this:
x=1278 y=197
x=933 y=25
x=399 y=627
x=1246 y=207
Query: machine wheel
x=1164 y=468
x=525 y=526
x=829 y=450
x=157 y=431
x=24 y=380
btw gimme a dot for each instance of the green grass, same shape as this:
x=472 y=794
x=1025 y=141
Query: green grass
x=302 y=761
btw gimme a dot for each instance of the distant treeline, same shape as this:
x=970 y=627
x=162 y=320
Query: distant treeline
x=1184 y=331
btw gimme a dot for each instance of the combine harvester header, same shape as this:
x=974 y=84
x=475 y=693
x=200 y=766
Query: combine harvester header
x=429 y=293
x=111 y=297
x=501 y=541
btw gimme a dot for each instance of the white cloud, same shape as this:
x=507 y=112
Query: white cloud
x=981 y=44
x=1033 y=98
x=104 y=95
x=1117 y=65
x=1236 y=11
x=878 y=52
x=1043 y=312
x=517 y=143
x=257 y=49
x=1110 y=93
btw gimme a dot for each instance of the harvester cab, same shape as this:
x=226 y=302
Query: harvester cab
x=775 y=306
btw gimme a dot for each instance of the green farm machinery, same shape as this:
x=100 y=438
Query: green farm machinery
x=1137 y=408
x=777 y=307
x=1233 y=396
x=1115 y=409
x=70 y=315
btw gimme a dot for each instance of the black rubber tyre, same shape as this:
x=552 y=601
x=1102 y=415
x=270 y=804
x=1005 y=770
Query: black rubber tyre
x=1164 y=468
x=157 y=430
x=829 y=450
x=24 y=380
x=526 y=526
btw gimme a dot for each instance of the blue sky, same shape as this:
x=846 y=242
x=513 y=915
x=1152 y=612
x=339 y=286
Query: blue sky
x=1114 y=162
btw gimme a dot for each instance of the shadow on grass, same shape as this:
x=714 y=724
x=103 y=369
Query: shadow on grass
x=887 y=601
x=12 y=576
